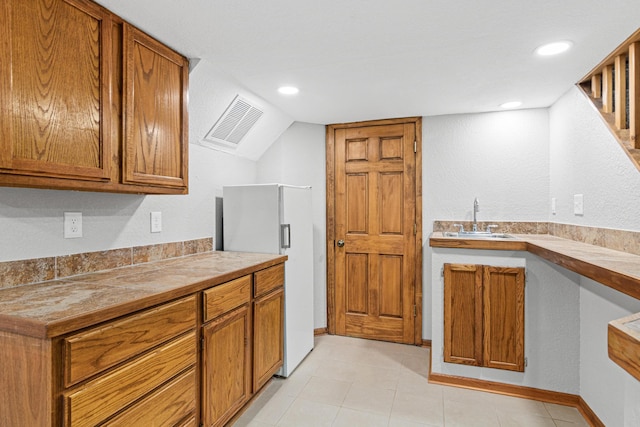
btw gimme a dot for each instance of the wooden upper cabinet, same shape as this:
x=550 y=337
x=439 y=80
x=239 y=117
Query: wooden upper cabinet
x=88 y=102
x=155 y=112
x=55 y=67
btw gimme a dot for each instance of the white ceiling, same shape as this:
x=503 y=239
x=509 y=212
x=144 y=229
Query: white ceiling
x=371 y=59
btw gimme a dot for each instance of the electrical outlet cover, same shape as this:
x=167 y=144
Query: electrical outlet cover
x=72 y=225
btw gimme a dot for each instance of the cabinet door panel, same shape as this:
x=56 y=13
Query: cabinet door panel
x=155 y=91
x=226 y=380
x=463 y=314
x=268 y=334
x=504 y=318
x=55 y=68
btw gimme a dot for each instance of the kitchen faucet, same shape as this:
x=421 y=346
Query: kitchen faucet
x=476 y=209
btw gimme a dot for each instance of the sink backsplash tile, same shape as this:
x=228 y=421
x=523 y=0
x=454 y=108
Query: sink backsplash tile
x=619 y=240
x=22 y=272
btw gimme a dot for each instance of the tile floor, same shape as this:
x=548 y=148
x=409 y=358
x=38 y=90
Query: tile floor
x=350 y=382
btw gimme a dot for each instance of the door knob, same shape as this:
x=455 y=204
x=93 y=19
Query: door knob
x=340 y=243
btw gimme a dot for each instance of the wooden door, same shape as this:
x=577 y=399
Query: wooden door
x=226 y=371
x=504 y=317
x=375 y=214
x=268 y=336
x=463 y=314
x=155 y=92
x=55 y=65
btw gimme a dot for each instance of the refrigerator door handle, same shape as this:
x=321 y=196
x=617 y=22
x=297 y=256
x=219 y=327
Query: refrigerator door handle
x=285 y=236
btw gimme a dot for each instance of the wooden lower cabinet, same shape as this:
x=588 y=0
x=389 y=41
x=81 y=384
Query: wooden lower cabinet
x=484 y=316
x=268 y=336
x=193 y=361
x=226 y=366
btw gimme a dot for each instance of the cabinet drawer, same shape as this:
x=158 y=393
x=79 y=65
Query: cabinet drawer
x=164 y=407
x=101 y=398
x=268 y=279
x=94 y=350
x=226 y=297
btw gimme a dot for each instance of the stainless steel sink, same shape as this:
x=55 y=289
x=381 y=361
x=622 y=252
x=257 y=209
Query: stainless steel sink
x=477 y=235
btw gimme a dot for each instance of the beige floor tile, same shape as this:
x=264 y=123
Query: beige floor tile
x=560 y=423
x=417 y=364
x=410 y=382
x=246 y=422
x=395 y=422
x=354 y=382
x=270 y=409
x=463 y=395
x=370 y=399
x=325 y=390
x=372 y=376
x=565 y=413
x=309 y=414
x=509 y=404
x=351 y=418
x=291 y=386
x=476 y=414
x=417 y=409
x=512 y=419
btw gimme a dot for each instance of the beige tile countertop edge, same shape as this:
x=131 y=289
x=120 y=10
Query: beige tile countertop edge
x=53 y=308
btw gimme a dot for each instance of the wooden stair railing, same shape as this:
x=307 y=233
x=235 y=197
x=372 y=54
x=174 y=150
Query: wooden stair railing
x=614 y=88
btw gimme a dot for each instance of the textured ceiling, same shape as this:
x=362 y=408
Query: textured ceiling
x=371 y=59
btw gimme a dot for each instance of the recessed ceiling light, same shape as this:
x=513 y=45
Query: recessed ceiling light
x=511 y=104
x=553 y=48
x=288 y=90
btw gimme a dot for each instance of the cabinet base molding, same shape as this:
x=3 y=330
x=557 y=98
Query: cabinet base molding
x=520 y=391
x=426 y=343
x=319 y=331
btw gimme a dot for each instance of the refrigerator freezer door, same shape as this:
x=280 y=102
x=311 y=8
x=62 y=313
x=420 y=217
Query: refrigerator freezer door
x=251 y=218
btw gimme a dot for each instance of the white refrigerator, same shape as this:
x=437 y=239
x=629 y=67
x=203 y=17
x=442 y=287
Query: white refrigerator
x=276 y=219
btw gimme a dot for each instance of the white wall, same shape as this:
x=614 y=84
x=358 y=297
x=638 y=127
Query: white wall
x=605 y=386
x=501 y=158
x=586 y=159
x=551 y=299
x=31 y=219
x=298 y=158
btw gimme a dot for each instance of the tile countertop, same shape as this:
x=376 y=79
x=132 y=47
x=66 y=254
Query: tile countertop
x=56 y=307
x=615 y=269
x=618 y=270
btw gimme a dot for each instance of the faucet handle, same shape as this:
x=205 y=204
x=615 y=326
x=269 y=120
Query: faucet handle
x=489 y=227
x=461 y=227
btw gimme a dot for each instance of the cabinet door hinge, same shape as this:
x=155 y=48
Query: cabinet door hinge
x=201 y=343
x=415 y=310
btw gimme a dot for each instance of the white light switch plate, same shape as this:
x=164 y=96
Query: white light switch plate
x=156 y=222
x=578 y=204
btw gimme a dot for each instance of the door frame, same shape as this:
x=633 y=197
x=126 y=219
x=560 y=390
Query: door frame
x=330 y=174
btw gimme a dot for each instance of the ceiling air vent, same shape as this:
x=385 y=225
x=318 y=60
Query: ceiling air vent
x=234 y=124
